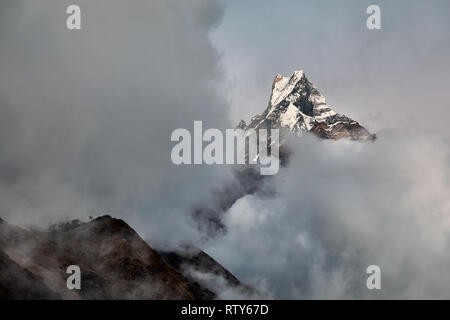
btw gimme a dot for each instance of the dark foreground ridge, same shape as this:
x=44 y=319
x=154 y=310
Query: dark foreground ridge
x=115 y=262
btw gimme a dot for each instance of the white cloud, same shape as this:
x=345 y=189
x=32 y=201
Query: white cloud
x=340 y=207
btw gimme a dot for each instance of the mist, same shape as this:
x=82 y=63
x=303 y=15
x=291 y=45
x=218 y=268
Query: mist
x=340 y=207
x=86 y=115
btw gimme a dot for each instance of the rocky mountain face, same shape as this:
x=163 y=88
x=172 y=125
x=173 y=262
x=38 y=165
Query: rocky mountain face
x=115 y=262
x=296 y=105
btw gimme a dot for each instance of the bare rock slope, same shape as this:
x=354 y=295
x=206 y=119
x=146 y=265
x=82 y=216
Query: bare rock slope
x=116 y=263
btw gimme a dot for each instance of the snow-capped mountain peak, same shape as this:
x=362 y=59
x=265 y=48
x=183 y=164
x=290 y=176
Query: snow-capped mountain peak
x=297 y=105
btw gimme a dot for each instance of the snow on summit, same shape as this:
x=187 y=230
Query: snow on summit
x=297 y=105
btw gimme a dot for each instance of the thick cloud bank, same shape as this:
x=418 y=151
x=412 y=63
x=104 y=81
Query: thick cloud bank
x=86 y=116
x=342 y=206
